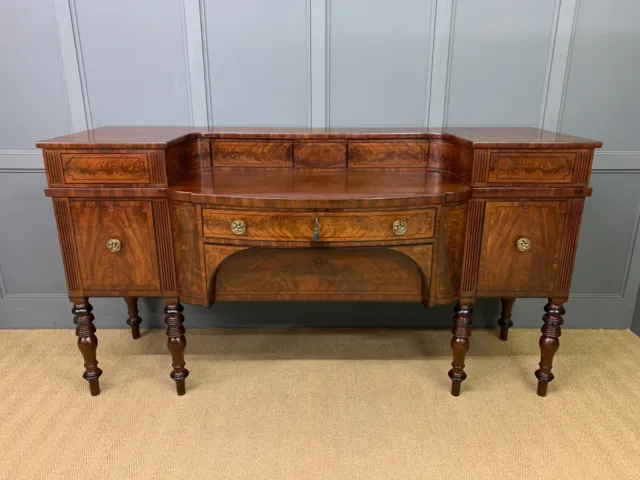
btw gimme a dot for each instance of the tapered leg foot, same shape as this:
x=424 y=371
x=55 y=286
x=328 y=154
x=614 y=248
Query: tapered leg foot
x=87 y=343
x=177 y=344
x=505 y=318
x=134 y=320
x=549 y=342
x=460 y=344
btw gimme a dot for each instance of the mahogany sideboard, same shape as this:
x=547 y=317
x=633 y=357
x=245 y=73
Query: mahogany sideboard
x=200 y=215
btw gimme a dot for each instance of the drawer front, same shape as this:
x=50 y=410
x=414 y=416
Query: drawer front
x=252 y=154
x=388 y=154
x=104 y=266
x=320 y=155
x=364 y=226
x=82 y=168
x=532 y=167
x=521 y=247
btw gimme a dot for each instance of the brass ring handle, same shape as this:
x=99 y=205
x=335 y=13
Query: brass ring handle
x=523 y=244
x=114 y=245
x=238 y=227
x=399 y=227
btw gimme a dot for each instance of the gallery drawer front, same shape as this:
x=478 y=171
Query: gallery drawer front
x=388 y=154
x=242 y=153
x=116 y=245
x=320 y=227
x=542 y=166
x=90 y=168
x=314 y=273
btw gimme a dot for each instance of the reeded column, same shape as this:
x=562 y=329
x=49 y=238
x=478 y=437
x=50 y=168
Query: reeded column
x=87 y=343
x=460 y=344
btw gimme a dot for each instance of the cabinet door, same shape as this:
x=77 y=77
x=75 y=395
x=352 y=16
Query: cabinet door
x=521 y=247
x=131 y=267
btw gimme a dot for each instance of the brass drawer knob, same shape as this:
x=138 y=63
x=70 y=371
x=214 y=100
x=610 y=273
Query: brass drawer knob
x=399 y=227
x=114 y=245
x=238 y=227
x=523 y=244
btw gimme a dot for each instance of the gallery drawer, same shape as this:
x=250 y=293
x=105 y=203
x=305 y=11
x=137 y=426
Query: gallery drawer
x=227 y=153
x=534 y=167
x=322 y=227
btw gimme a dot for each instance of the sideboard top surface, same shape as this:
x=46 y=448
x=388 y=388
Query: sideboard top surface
x=160 y=137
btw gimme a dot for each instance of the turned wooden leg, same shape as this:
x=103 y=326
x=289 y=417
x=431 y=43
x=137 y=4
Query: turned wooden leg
x=460 y=344
x=134 y=320
x=505 y=317
x=87 y=343
x=549 y=342
x=176 y=343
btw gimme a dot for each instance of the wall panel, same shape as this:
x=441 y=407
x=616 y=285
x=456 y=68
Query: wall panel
x=30 y=108
x=378 y=64
x=602 y=98
x=499 y=58
x=258 y=62
x=134 y=61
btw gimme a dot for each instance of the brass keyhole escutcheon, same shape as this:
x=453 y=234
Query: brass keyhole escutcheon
x=238 y=227
x=523 y=244
x=399 y=227
x=316 y=230
x=114 y=245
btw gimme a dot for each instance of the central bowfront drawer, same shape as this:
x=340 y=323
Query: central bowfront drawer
x=304 y=226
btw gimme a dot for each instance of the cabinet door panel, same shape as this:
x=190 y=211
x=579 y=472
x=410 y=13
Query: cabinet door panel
x=134 y=266
x=504 y=267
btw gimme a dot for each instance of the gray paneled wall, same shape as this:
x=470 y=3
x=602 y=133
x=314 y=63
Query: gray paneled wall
x=567 y=65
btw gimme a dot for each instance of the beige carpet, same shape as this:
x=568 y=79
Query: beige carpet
x=316 y=404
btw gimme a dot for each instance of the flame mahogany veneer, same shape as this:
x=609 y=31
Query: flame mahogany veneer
x=202 y=215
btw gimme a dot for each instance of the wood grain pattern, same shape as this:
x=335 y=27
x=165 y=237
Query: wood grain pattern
x=504 y=268
x=83 y=168
x=362 y=226
x=187 y=252
x=387 y=154
x=214 y=256
x=194 y=154
x=135 y=266
x=450 y=157
x=449 y=252
x=320 y=155
x=473 y=239
x=67 y=245
x=162 y=223
x=272 y=274
x=252 y=154
x=531 y=167
x=422 y=255
x=569 y=246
